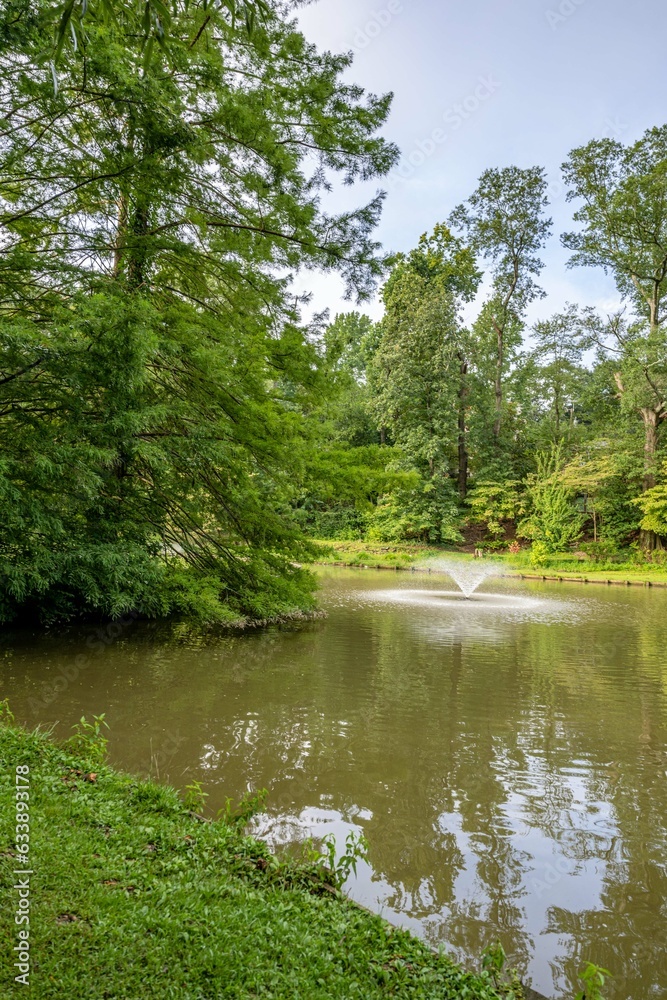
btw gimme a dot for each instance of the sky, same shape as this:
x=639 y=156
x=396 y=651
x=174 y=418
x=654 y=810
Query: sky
x=491 y=83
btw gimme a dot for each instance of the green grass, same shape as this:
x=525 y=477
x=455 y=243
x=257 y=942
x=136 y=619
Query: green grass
x=134 y=897
x=569 y=566
x=384 y=554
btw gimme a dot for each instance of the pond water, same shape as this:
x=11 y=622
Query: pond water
x=506 y=757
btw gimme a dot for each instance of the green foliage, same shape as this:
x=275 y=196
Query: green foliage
x=6 y=714
x=494 y=961
x=594 y=978
x=653 y=506
x=342 y=486
x=339 y=869
x=239 y=814
x=89 y=740
x=492 y=503
x=155 y=374
x=195 y=796
x=443 y=259
x=539 y=554
x=620 y=190
x=599 y=552
x=553 y=521
x=559 y=378
x=427 y=512
x=413 y=374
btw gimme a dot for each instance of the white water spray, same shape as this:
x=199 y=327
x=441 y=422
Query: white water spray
x=468 y=576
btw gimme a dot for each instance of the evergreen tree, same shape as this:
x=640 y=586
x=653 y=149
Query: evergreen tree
x=154 y=205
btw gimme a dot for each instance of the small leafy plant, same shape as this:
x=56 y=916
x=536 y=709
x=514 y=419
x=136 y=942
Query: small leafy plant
x=195 y=796
x=593 y=978
x=89 y=738
x=340 y=869
x=494 y=960
x=6 y=714
x=239 y=815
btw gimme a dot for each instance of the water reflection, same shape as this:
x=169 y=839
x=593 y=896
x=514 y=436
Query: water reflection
x=506 y=760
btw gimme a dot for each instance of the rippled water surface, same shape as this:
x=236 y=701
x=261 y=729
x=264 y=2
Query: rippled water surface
x=506 y=756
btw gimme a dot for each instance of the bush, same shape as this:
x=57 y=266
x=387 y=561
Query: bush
x=427 y=513
x=539 y=555
x=653 y=505
x=600 y=552
x=553 y=521
x=491 y=503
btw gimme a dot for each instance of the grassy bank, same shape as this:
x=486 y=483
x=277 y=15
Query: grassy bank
x=377 y=554
x=569 y=566
x=562 y=567
x=135 y=896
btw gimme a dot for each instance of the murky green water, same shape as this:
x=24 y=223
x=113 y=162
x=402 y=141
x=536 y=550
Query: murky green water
x=505 y=757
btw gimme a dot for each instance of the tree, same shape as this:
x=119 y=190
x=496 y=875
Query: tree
x=653 y=506
x=70 y=20
x=503 y=220
x=640 y=377
x=153 y=209
x=346 y=344
x=418 y=373
x=553 y=521
x=414 y=373
x=622 y=192
x=559 y=375
x=494 y=446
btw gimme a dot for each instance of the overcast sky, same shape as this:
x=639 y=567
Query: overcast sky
x=486 y=83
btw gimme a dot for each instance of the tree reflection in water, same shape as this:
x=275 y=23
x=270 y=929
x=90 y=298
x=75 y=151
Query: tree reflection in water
x=508 y=770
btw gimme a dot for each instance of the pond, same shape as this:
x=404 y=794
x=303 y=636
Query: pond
x=506 y=757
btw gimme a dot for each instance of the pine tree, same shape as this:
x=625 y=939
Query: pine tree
x=155 y=201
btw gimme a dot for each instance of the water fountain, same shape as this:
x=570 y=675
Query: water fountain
x=468 y=576
x=467 y=602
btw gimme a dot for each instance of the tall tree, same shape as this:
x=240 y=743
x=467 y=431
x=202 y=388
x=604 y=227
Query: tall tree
x=414 y=373
x=622 y=195
x=152 y=210
x=559 y=374
x=504 y=222
x=420 y=368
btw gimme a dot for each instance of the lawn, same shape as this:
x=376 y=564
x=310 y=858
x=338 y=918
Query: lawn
x=566 y=566
x=134 y=895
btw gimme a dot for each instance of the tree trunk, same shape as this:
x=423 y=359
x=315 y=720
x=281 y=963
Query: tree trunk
x=499 y=383
x=463 y=443
x=136 y=271
x=652 y=419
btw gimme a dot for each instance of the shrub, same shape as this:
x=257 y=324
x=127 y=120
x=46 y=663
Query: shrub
x=553 y=520
x=653 y=505
x=491 y=503
x=428 y=513
x=600 y=552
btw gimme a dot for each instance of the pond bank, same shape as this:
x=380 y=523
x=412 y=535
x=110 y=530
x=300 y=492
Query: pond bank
x=376 y=555
x=134 y=894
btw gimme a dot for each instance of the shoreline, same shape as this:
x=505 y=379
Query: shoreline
x=405 y=558
x=135 y=888
x=509 y=574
